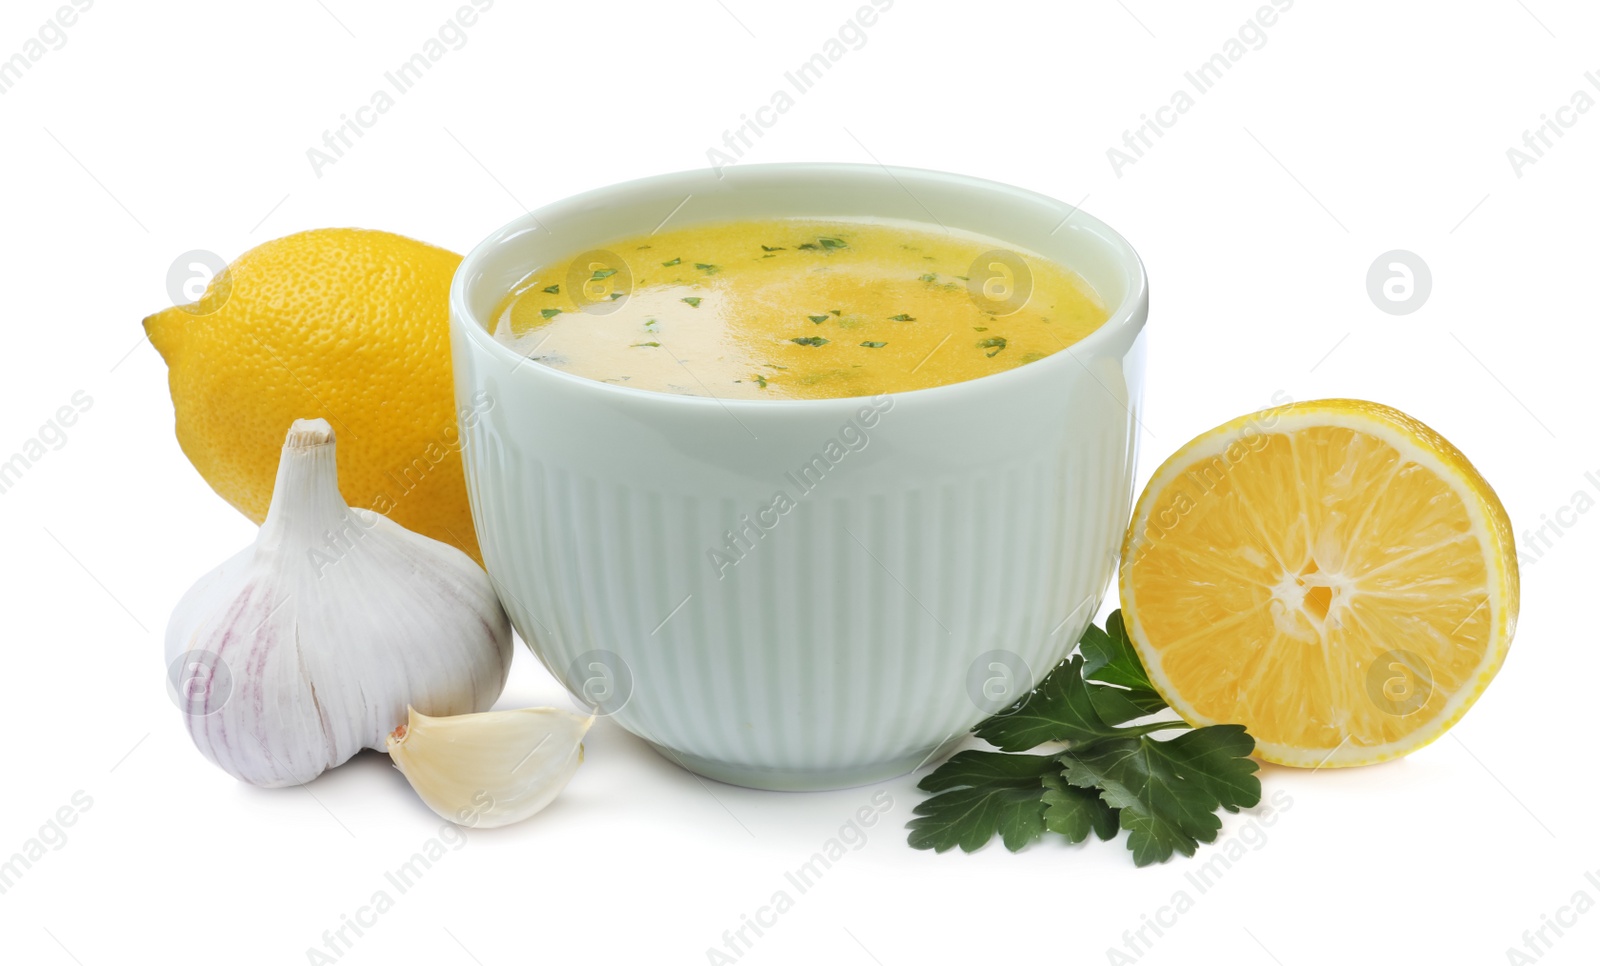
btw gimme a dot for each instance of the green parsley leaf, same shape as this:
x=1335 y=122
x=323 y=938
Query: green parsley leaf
x=930 y=277
x=675 y=261
x=810 y=247
x=693 y=300
x=810 y=340
x=1113 y=775
x=778 y=248
x=1169 y=791
x=549 y=313
x=1109 y=657
x=902 y=317
x=874 y=345
x=600 y=273
x=554 y=289
x=1058 y=709
x=1115 y=704
x=653 y=345
x=1075 y=812
x=708 y=268
x=984 y=794
x=761 y=381
x=819 y=319
x=993 y=342
x=831 y=243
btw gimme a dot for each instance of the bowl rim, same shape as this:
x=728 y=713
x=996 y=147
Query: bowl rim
x=1124 y=323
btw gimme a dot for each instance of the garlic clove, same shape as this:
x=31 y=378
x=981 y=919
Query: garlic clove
x=329 y=627
x=490 y=769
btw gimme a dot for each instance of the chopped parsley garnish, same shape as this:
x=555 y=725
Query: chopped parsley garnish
x=835 y=311
x=549 y=313
x=778 y=248
x=653 y=345
x=995 y=343
x=761 y=381
x=617 y=295
x=819 y=319
x=1113 y=775
x=600 y=273
x=810 y=340
x=707 y=268
x=693 y=301
x=874 y=345
x=675 y=261
x=824 y=244
x=929 y=277
x=554 y=289
x=980 y=328
x=902 y=317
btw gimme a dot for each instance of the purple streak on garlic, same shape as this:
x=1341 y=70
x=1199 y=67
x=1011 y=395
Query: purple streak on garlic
x=331 y=624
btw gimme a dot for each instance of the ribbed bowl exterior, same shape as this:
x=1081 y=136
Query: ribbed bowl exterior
x=808 y=594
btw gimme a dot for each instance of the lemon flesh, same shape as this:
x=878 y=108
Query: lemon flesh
x=1333 y=575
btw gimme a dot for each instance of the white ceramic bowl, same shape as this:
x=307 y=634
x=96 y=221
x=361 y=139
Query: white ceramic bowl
x=952 y=555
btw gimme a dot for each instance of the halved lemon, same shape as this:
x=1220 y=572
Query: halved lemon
x=1333 y=575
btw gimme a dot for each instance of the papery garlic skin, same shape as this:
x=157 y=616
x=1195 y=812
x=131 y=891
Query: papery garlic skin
x=491 y=769
x=330 y=626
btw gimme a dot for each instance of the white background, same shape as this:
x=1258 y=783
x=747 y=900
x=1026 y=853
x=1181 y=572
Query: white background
x=1356 y=129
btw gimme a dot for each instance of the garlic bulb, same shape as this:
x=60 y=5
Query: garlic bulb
x=316 y=638
x=489 y=770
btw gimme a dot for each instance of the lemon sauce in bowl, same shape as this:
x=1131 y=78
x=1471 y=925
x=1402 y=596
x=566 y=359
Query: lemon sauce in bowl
x=796 y=309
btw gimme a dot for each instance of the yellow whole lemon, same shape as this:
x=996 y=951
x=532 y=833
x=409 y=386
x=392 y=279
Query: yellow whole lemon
x=342 y=323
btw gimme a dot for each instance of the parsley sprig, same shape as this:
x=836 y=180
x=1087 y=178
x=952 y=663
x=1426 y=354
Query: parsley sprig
x=1114 y=774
